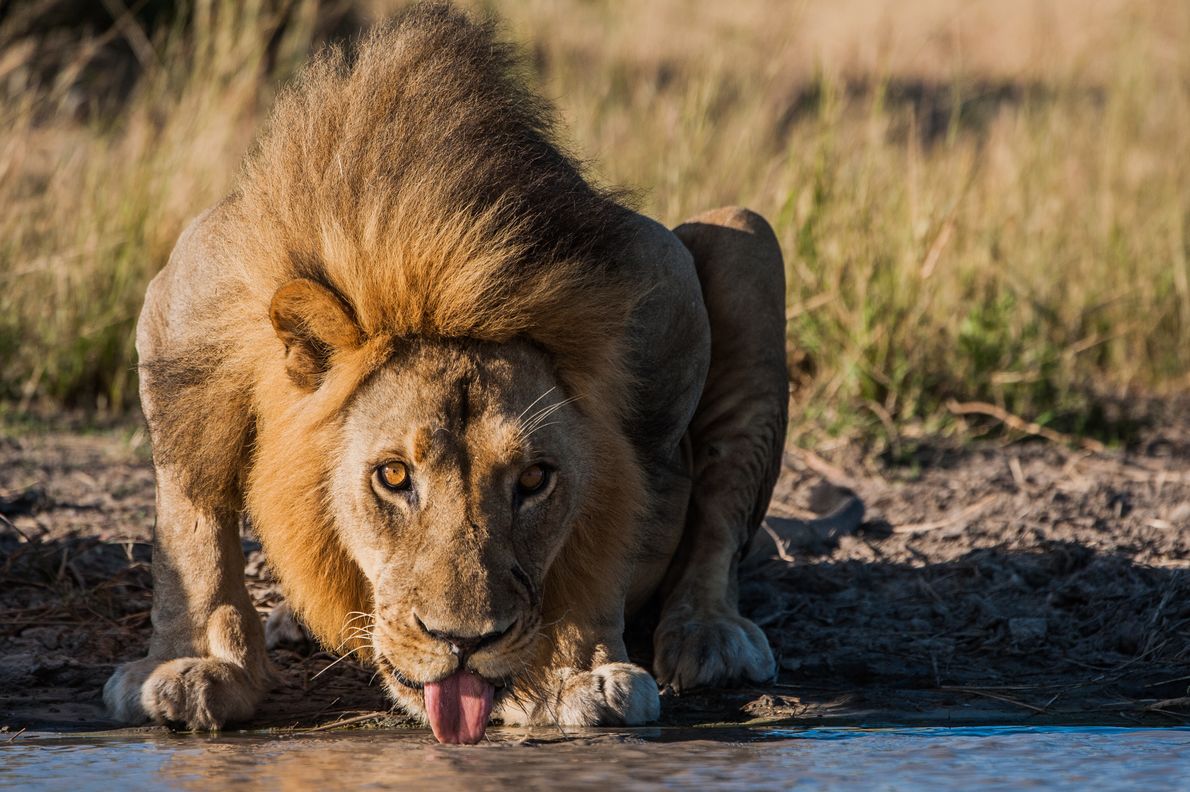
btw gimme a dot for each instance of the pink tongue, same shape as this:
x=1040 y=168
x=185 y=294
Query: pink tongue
x=458 y=707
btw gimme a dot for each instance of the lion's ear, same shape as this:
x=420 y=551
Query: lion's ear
x=312 y=323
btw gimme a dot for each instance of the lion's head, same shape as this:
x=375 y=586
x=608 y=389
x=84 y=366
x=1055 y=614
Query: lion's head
x=434 y=499
x=462 y=469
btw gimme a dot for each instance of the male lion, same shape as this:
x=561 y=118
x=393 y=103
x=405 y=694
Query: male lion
x=478 y=412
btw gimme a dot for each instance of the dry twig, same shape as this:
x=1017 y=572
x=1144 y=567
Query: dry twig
x=954 y=519
x=832 y=473
x=348 y=721
x=998 y=697
x=1019 y=424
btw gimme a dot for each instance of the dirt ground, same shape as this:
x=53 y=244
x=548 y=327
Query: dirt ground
x=989 y=583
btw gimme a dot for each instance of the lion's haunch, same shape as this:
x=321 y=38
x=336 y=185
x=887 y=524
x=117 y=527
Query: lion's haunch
x=458 y=707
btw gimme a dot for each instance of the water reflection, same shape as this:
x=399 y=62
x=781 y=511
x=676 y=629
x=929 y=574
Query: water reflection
x=996 y=757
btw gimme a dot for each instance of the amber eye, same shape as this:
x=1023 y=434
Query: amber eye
x=532 y=479
x=394 y=475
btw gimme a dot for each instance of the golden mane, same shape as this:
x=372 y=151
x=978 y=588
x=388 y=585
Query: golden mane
x=417 y=178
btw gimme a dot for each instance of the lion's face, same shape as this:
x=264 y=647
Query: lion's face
x=463 y=466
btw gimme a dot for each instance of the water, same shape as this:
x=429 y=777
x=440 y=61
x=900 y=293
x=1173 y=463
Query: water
x=1074 y=758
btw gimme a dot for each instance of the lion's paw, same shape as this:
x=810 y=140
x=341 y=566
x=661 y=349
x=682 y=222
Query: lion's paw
x=200 y=693
x=693 y=649
x=615 y=694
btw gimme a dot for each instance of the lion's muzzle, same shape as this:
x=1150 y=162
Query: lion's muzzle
x=457 y=700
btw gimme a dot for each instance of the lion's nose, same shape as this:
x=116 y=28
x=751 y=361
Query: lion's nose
x=461 y=642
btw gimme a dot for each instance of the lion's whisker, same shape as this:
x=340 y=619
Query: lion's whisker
x=532 y=698
x=549 y=409
x=539 y=398
x=339 y=660
x=535 y=428
x=366 y=637
x=545 y=412
x=545 y=697
x=354 y=632
x=541 y=627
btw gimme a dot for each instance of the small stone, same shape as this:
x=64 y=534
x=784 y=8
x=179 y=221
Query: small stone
x=1025 y=629
x=16 y=671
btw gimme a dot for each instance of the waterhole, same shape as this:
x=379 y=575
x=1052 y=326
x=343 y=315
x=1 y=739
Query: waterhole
x=1001 y=757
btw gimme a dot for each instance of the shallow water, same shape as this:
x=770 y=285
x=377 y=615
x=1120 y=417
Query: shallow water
x=1075 y=758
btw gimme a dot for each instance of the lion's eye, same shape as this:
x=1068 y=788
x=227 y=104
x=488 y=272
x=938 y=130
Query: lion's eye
x=394 y=475
x=532 y=479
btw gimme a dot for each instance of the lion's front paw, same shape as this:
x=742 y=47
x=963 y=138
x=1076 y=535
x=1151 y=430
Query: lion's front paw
x=201 y=693
x=614 y=694
x=695 y=649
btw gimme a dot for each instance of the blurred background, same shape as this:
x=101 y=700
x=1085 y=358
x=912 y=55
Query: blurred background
x=982 y=201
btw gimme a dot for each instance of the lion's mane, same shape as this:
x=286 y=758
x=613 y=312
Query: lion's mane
x=418 y=179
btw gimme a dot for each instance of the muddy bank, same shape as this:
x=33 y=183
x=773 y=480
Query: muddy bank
x=1012 y=582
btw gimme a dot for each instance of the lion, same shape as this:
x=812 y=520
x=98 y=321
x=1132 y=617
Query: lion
x=480 y=412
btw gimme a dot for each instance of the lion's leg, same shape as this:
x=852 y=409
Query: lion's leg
x=737 y=434
x=207 y=664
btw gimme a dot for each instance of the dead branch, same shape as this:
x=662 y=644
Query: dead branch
x=1019 y=424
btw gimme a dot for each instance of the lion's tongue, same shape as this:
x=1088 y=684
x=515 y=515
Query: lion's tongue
x=458 y=707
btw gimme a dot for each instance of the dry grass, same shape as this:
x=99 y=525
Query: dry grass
x=989 y=201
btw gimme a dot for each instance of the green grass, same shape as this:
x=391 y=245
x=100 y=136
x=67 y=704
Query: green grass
x=997 y=210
